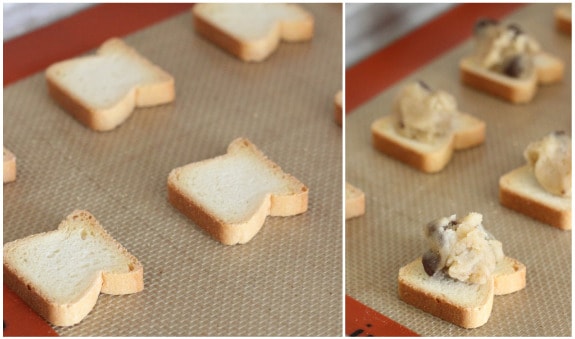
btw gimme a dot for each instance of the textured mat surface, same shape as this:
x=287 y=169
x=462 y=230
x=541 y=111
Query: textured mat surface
x=287 y=280
x=400 y=200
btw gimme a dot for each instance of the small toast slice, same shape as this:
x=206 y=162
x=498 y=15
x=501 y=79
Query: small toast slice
x=507 y=88
x=102 y=90
x=252 y=32
x=463 y=304
x=231 y=195
x=548 y=70
x=563 y=18
x=338 y=110
x=60 y=273
x=520 y=191
x=354 y=201
x=509 y=276
x=9 y=166
x=427 y=157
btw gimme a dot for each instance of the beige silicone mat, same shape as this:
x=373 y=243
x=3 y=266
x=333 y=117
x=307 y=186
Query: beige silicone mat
x=287 y=280
x=400 y=200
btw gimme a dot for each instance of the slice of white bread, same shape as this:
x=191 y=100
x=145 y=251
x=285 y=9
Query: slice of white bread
x=231 y=195
x=354 y=201
x=505 y=87
x=338 y=111
x=509 y=276
x=60 y=273
x=563 y=18
x=9 y=166
x=548 y=69
x=468 y=131
x=520 y=191
x=252 y=32
x=102 y=90
x=463 y=304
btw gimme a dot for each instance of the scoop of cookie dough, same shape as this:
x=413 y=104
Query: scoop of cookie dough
x=423 y=113
x=550 y=159
x=462 y=249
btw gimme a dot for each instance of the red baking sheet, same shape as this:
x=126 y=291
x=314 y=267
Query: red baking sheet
x=362 y=321
x=61 y=40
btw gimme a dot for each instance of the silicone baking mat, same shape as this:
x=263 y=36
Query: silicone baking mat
x=287 y=280
x=400 y=199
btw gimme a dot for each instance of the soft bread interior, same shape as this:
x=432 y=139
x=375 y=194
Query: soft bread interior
x=442 y=287
x=102 y=80
x=234 y=186
x=63 y=264
x=253 y=21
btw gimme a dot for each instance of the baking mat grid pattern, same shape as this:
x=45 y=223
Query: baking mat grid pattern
x=287 y=280
x=400 y=200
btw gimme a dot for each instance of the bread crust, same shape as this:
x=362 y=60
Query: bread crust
x=354 y=201
x=440 y=305
x=9 y=166
x=107 y=118
x=72 y=313
x=510 y=276
x=513 y=195
x=255 y=50
x=469 y=132
x=296 y=202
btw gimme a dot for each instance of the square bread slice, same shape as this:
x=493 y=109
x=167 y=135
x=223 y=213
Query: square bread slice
x=102 y=90
x=468 y=131
x=338 y=108
x=9 y=166
x=231 y=195
x=61 y=273
x=520 y=191
x=252 y=32
x=463 y=304
x=354 y=201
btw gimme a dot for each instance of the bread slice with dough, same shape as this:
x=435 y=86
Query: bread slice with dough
x=102 y=90
x=252 y=32
x=61 y=273
x=463 y=304
x=460 y=303
x=520 y=191
x=432 y=157
x=231 y=195
x=548 y=69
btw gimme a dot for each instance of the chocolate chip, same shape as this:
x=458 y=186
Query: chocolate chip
x=514 y=67
x=483 y=23
x=559 y=133
x=424 y=85
x=515 y=29
x=430 y=261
